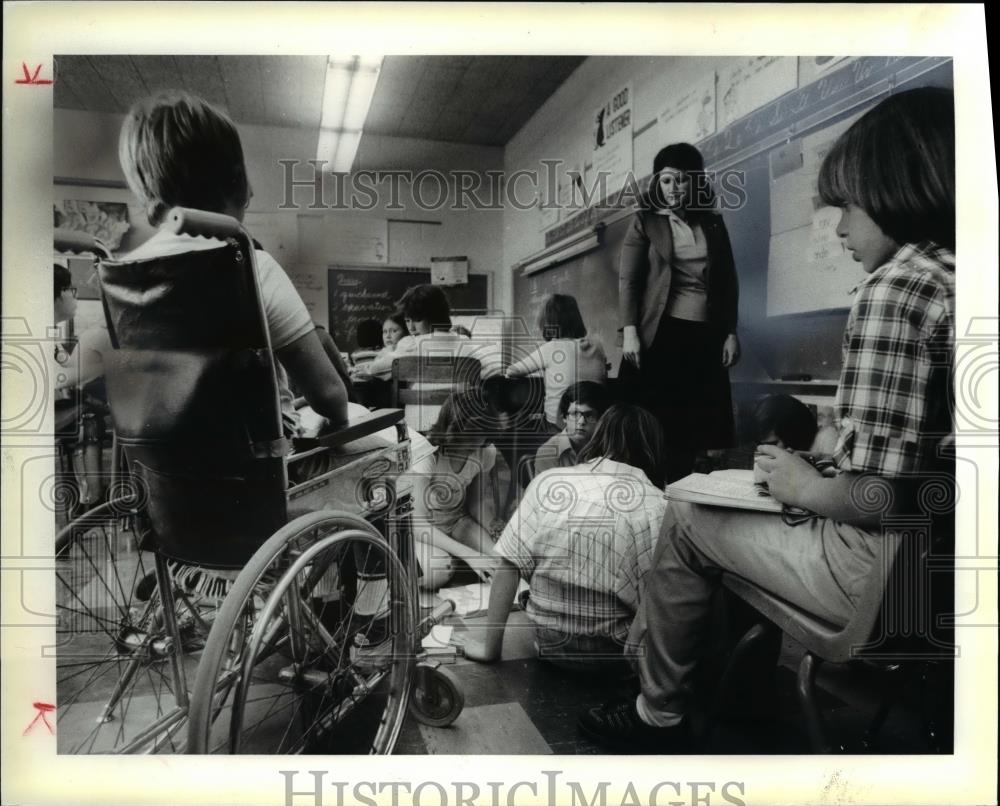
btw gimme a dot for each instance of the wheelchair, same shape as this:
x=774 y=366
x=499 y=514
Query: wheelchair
x=209 y=606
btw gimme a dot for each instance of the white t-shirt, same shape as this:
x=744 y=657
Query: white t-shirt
x=287 y=317
x=441 y=343
x=563 y=363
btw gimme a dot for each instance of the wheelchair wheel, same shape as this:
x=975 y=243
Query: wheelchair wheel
x=437 y=696
x=291 y=666
x=119 y=673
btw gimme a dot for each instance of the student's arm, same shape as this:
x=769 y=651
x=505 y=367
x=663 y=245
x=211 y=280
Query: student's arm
x=793 y=481
x=334 y=354
x=531 y=363
x=311 y=371
x=381 y=365
x=485 y=644
x=425 y=531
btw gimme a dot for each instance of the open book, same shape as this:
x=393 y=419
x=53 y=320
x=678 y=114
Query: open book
x=726 y=488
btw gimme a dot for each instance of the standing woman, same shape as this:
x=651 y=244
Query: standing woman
x=678 y=300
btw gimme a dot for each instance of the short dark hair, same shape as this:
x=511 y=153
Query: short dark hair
x=63 y=279
x=368 y=334
x=790 y=420
x=178 y=150
x=426 y=303
x=632 y=435
x=589 y=393
x=397 y=319
x=897 y=163
x=684 y=157
x=560 y=318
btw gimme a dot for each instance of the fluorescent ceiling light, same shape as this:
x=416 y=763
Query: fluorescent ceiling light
x=347 y=96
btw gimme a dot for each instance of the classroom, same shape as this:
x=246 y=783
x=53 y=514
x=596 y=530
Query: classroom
x=529 y=325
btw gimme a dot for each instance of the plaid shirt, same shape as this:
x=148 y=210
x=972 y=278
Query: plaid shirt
x=894 y=398
x=583 y=537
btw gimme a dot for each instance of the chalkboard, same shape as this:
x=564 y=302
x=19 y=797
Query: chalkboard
x=592 y=278
x=355 y=294
x=799 y=344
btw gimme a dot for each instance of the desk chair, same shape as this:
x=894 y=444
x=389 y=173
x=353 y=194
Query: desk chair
x=421 y=383
x=898 y=631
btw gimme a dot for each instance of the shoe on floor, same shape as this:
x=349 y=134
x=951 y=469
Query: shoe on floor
x=617 y=726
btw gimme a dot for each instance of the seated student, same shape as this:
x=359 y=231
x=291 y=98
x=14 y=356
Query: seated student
x=393 y=331
x=893 y=176
x=580 y=407
x=785 y=422
x=178 y=150
x=427 y=314
x=456 y=506
x=583 y=539
x=569 y=355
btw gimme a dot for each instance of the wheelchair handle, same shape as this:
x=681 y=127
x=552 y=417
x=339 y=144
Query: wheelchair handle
x=184 y=221
x=69 y=240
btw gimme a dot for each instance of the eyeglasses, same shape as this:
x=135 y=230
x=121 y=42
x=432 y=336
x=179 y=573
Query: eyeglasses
x=585 y=416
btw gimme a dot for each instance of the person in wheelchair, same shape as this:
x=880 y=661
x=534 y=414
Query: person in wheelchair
x=207 y=423
x=177 y=150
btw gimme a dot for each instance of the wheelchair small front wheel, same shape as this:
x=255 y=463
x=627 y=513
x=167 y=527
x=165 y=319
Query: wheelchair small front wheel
x=437 y=698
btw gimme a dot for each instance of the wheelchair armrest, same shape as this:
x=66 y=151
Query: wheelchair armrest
x=355 y=429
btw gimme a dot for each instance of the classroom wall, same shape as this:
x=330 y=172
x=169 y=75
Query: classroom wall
x=562 y=127
x=85 y=148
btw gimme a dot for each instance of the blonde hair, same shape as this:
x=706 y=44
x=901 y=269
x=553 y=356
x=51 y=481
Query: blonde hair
x=178 y=150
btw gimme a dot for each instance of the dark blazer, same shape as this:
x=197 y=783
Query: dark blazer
x=645 y=273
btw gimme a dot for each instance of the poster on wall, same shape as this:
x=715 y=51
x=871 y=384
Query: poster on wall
x=751 y=82
x=807 y=260
x=106 y=221
x=690 y=117
x=612 y=140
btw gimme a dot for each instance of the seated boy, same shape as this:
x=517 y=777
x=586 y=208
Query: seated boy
x=786 y=422
x=176 y=150
x=580 y=406
x=428 y=318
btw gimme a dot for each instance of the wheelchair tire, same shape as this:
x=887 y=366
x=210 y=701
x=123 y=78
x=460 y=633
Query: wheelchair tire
x=117 y=685
x=281 y=674
x=437 y=696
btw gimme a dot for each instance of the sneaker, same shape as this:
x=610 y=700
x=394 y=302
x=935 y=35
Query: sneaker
x=372 y=643
x=617 y=726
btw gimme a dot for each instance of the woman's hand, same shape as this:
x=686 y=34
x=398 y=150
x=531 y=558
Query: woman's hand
x=630 y=345
x=787 y=474
x=730 y=351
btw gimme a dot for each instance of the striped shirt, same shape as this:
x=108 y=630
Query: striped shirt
x=894 y=400
x=583 y=537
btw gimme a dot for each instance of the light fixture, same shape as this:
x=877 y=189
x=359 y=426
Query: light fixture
x=350 y=84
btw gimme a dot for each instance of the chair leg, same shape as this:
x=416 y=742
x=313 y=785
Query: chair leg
x=806 y=691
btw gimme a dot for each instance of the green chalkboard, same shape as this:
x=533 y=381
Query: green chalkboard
x=355 y=294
